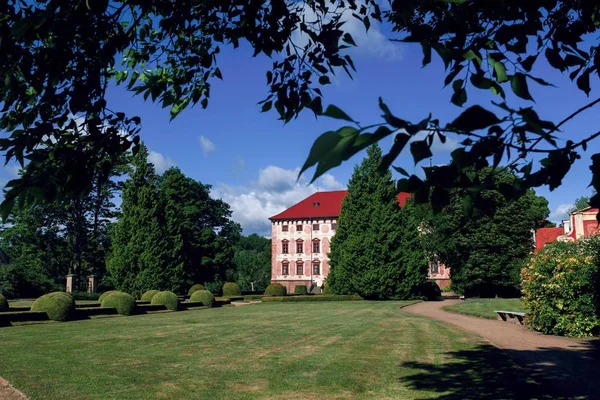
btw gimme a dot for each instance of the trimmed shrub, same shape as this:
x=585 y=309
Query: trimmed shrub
x=124 y=303
x=167 y=299
x=81 y=295
x=316 y=297
x=300 y=289
x=560 y=289
x=59 y=306
x=148 y=295
x=206 y=297
x=231 y=289
x=275 y=289
x=326 y=289
x=103 y=295
x=3 y=303
x=195 y=288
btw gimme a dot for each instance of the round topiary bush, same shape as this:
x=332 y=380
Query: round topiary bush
x=206 y=297
x=124 y=303
x=103 y=295
x=148 y=295
x=195 y=288
x=300 y=289
x=59 y=306
x=3 y=303
x=275 y=289
x=167 y=299
x=231 y=289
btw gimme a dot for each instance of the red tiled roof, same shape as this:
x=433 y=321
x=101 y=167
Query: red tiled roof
x=329 y=205
x=543 y=236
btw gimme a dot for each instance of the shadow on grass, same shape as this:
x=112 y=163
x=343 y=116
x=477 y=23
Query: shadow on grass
x=490 y=373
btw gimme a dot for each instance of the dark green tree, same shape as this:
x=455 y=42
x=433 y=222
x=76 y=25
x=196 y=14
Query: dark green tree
x=376 y=251
x=252 y=262
x=486 y=251
x=140 y=248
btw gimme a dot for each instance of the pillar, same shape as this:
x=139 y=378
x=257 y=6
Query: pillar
x=71 y=283
x=92 y=284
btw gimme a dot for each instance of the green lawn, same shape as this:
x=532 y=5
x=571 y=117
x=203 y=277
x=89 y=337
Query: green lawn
x=485 y=308
x=315 y=350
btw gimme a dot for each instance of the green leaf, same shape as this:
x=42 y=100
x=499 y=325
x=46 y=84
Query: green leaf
x=348 y=39
x=460 y=94
x=324 y=80
x=474 y=118
x=500 y=72
x=266 y=106
x=480 y=81
x=401 y=170
x=20 y=27
x=518 y=83
x=472 y=55
x=420 y=150
x=583 y=82
x=335 y=112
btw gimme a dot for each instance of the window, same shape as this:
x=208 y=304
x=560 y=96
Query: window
x=284 y=247
x=299 y=247
x=300 y=268
x=316 y=246
x=316 y=268
x=284 y=228
x=315 y=227
x=298 y=228
x=435 y=267
x=285 y=268
x=334 y=226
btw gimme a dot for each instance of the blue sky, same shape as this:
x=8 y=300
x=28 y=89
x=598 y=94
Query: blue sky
x=252 y=159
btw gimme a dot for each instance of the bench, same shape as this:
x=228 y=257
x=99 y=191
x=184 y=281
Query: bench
x=511 y=316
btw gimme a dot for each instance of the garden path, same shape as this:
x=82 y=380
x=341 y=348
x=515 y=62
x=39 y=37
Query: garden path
x=568 y=366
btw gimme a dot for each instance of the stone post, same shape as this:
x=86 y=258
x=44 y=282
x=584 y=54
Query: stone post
x=71 y=283
x=92 y=284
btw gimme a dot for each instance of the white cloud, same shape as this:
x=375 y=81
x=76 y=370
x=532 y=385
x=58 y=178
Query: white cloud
x=561 y=212
x=274 y=190
x=371 y=43
x=437 y=146
x=161 y=163
x=207 y=146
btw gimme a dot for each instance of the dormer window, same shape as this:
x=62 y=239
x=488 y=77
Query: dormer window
x=316 y=204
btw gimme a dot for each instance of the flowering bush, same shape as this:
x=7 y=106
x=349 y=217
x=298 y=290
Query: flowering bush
x=560 y=289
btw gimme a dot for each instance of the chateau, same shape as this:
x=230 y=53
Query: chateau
x=580 y=225
x=301 y=238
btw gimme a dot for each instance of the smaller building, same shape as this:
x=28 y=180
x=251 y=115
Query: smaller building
x=580 y=225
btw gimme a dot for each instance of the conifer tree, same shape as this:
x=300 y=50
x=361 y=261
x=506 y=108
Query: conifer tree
x=376 y=251
x=140 y=252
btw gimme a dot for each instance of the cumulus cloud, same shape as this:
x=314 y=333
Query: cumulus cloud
x=437 y=146
x=207 y=146
x=274 y=190
x=561 y=212
x=371 y=43
x=161 y=162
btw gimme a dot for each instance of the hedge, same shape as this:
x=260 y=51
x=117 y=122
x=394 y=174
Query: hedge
x=3 y=303
x=195 y=288
x=59 y=306
x=316 y=297
x=103 y=295
x=275 y=289
x=148 y=295
x=231 y=289
x=560 y=289
x=124 y=303
x=204 y=296
x=253 y=296
x=167 y=299
x=300 y=289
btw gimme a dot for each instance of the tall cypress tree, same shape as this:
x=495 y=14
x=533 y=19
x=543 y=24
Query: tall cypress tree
x=376 y=251
x=140 y=251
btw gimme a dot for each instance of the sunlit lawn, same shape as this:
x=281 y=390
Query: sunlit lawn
x=316 y=350
x=485 y=308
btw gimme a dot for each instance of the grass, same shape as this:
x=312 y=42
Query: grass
x=322 y=350
x=485 y=308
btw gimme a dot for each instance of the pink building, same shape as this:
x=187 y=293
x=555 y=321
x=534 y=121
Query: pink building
x=580 y=225
x=301 y=237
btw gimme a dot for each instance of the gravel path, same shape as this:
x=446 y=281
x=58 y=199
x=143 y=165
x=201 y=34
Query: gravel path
x=7 y=392
x=568 y=367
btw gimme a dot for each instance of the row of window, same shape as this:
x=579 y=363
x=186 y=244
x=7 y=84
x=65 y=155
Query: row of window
x=299 y=228
x=285 y=268
x=316 y=246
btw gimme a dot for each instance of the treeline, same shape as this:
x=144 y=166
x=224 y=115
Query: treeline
x=381 y=251
x=167 y=234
